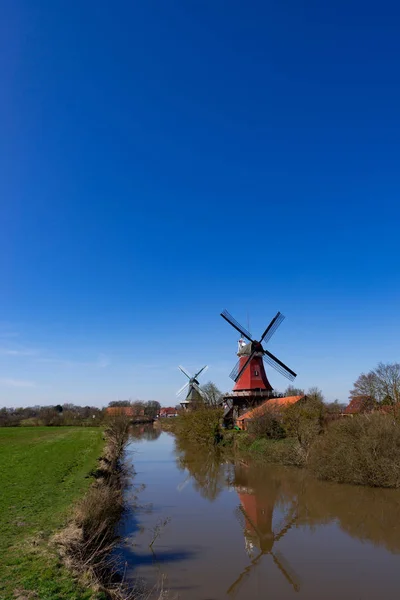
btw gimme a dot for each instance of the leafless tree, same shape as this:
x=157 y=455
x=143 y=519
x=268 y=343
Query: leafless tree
x=314 y=393
x=388 y=378
x=293 y=391
x=367 y=385
x=212 y=394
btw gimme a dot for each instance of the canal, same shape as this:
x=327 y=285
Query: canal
x=232 y=529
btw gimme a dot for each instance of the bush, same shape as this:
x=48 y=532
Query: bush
x=267 y=425
x=363 y=450
x=304 y=421
x=200 y=426
x=283 y=452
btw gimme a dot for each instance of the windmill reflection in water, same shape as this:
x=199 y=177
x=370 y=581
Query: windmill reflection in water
x=255 y=515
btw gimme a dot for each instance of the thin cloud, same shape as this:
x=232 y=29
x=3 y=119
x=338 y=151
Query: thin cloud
x=19 y=352
x=101 y=363
x=17 y=383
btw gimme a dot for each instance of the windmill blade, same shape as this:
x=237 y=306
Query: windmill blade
x=287 y=571
x=203 y=370
x=279 y=365
x=245 y=573
x=179 y=392
x=235 y=371
x=288 y=525
x=245 y=366
x=225 y=315
x=272 y=327
x=184 y=372
x=183 y=483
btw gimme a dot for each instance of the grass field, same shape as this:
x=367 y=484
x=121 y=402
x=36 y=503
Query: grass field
x=43 y=470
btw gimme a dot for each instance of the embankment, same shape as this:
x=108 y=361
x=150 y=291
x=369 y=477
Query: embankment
x=86 y=545
x=43 y=472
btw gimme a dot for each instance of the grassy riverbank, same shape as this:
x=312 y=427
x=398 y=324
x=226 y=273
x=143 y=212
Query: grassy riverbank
x=43 y=472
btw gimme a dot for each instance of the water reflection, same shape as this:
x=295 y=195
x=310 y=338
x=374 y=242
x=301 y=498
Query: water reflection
x=273 y=500
x=145 y=432
x=207 y=468
x=255 y=515
x=242 y=530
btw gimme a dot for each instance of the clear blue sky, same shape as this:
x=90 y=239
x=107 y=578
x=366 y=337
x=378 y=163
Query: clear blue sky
x=161 y=161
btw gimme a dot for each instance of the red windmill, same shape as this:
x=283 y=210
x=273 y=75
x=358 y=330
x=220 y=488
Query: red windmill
x=251 y=383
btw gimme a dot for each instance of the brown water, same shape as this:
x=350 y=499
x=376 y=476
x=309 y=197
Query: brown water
x=244 y=531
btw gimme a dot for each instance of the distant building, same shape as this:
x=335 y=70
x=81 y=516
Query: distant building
x=359 y=405
x=275 y=404
x=168 y=411
x=128 y=411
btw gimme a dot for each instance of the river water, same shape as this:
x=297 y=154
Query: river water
x=232 y=529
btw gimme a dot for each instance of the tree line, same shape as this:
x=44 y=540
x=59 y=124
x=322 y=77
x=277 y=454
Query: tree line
x=377 y=388
x=70 y=414
x=59 y=414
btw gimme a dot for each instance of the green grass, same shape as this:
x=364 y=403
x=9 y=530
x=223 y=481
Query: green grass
x=43 y=471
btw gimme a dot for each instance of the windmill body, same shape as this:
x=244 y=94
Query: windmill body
x=194 y=395
x=253 y=376
x=251 y=382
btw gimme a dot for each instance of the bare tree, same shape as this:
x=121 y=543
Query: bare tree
x=314 y=393
x=293 y=391
x=388 y=378
x=381 y=386
x=138 y=408
x=367 y=385
x=212 y=394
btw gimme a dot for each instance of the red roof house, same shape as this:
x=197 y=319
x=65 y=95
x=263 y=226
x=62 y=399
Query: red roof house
x=276 y=404
x=168 y=411
x=360 y=404
x=128 y=411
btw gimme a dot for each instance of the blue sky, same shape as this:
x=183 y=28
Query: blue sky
x=161 y=161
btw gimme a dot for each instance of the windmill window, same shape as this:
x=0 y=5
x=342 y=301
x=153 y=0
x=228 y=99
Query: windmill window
x=256 y=373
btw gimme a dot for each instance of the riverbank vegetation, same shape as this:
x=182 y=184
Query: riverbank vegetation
x=87 y=544
x=60 y=504
x=360 y=448
x=43 y=471
x=200 y=426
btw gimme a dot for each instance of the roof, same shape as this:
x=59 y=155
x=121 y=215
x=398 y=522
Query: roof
x=274 y=403
x=167 y=410
x=359 y=404
x=121 y=410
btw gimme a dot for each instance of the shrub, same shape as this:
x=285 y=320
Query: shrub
x=304 y=421
x=267 y=425
x=201 y=425
x=283 y=452
x=362 y=450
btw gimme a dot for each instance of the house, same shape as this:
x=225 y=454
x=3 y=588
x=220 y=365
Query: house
x=275 y=404
x=168 y=411
x=359 y=405
x=128 y=411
